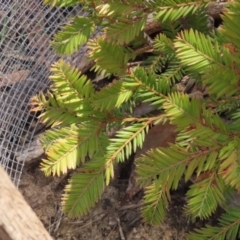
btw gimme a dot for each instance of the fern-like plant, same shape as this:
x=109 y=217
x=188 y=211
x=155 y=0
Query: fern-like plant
x=207 y=147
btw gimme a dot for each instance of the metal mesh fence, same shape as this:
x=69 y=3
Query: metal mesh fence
x=26 y=27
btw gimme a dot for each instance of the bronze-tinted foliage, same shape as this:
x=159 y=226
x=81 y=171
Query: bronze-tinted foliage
x=206 y=150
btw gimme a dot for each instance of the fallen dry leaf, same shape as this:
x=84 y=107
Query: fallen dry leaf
x=158 y=136
x=11 y=78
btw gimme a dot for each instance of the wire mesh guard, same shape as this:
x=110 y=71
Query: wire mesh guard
x=26 y=27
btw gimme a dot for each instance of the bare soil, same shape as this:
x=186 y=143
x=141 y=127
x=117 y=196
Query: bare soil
x=115 y=217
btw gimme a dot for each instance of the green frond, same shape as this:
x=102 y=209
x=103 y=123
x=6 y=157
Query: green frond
x=171 y=28
x=235 y=115
x=201 y=161
x=198 y=21
x=197 y=51
x=69 y=82
x=152 y=88
x=82 y=192
x=115 y=9
x=235 y=125
x=53 y=135
x=230 y=107
x=127 y=8
x=205 y=196
x=123 y=32
x=58 y=112
x=155 y=204
x=72 y=148
x=230 y=27
x=105 y=126
x=73 y=35
x=163 y=55
x=174 y=73
x=61 y=3
x=132 y=137
x=53 y=113
x=230 y=163
x=127 y=108
x=221 y=82
x=164 y=44
x=114 y=95
x=117 y=60
x=173 y=10
x=178 y=106
x=125 y=142
x=165 y=164
x=71 y=100
x=229 y=227
x=155 y=62
x=84 y=188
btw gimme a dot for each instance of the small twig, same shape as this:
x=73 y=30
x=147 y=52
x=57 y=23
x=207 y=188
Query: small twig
x=60 y=215
x=190 y=85
x=101 y=216
x=111 y=231
x=131 y=206
x=120 y=229
x=134 y=64
x=77 y=222
x=148 y=38
x=57 y=221
x=134 y=221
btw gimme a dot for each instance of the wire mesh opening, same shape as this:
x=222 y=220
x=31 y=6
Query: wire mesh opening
x=26 y=28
